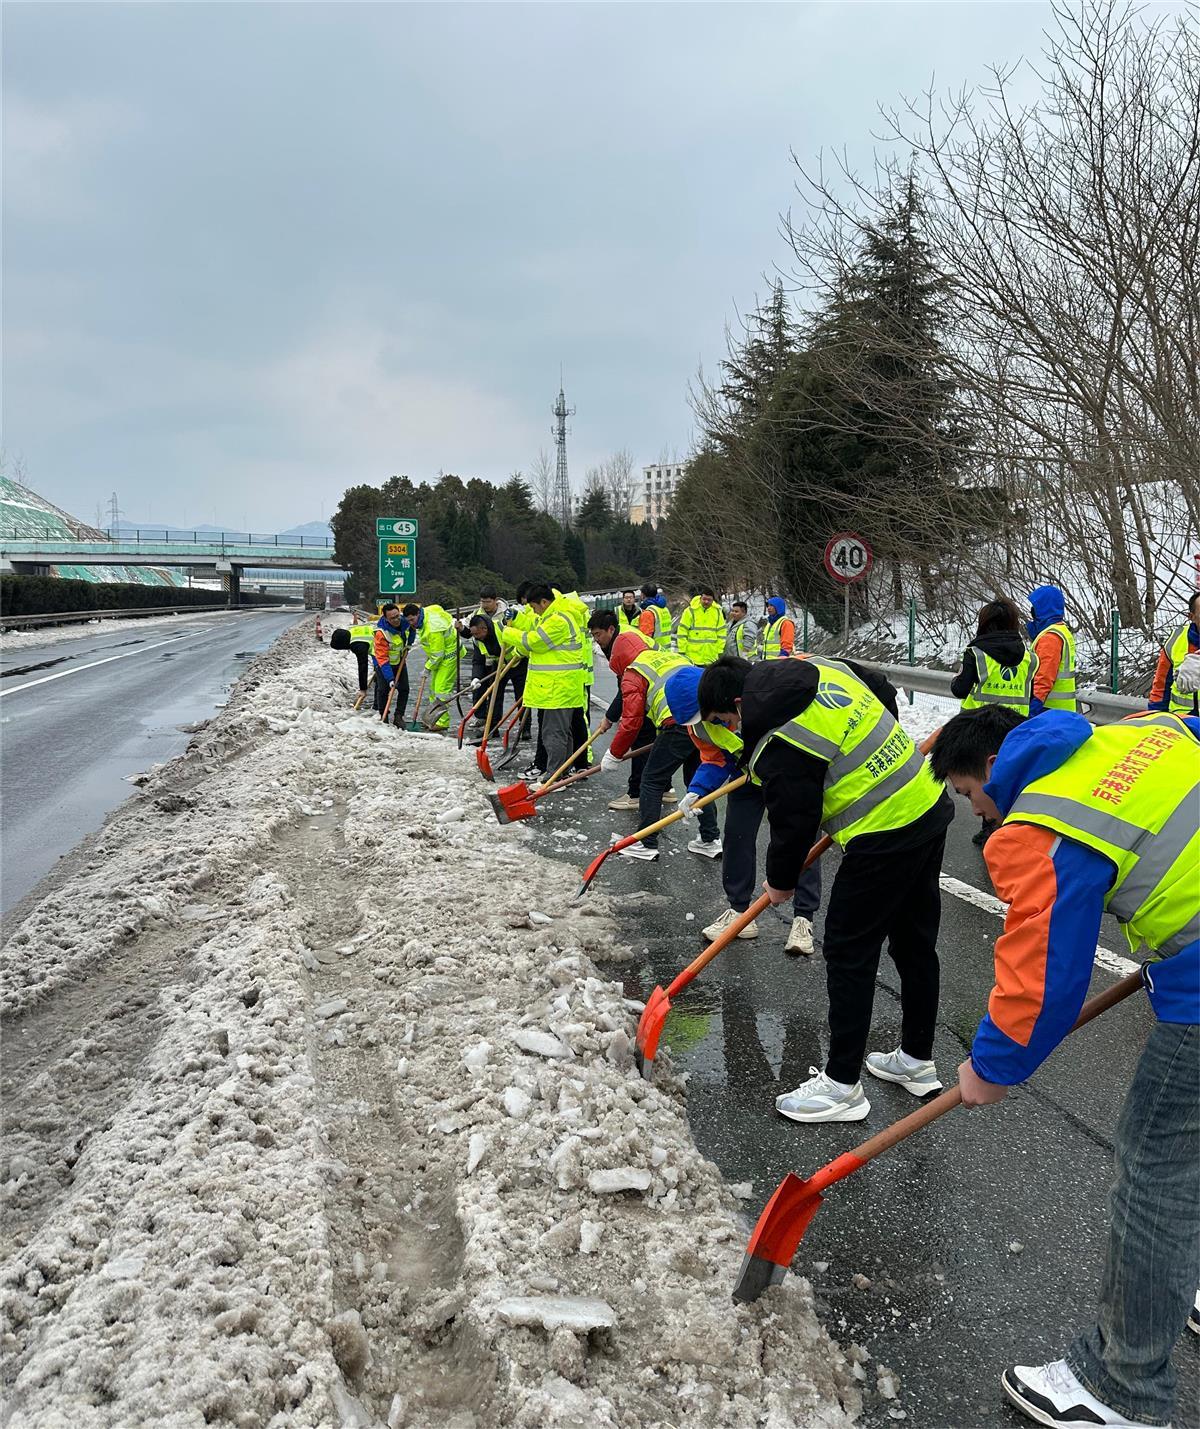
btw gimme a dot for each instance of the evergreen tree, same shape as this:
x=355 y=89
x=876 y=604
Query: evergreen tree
x=575 y=553
x=594 y=514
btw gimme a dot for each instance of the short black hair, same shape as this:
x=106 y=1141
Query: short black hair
x=391 y=605
x=523 y=590
x=707 y=590
x=721 y=684
x=739 y=605
x=478 y=619
x=969 y=740
x=1192 y=599
x=488 y=593
x=602 y=620
x=538 y=592
x=628 y=592
x=649 y=591
x=997 y=616
x=411 y=609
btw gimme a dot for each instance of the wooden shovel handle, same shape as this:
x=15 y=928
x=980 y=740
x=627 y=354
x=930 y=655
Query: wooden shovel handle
x=940 y=1105
x=679 y=813
x=502 y=668
x=570 y=759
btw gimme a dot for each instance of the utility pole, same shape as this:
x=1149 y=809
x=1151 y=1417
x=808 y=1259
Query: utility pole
x=562 y=485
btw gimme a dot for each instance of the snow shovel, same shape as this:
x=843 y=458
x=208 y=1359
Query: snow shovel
x=593 y=868
x=414 y=724
x=481 y=754
x=521 y=723
x=462 y=729
x=387 y=708
x=518 y=808
x=519 y=796
x=362 y=694
x=787 y=1214
x=658 y=1004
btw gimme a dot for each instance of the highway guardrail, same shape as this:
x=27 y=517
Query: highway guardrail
x=75 y=617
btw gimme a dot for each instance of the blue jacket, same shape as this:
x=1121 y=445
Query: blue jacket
x=1055 y=889
x=659 y=600
x=716 y=765
x=389 y=633
x=1048 y=607
x=777 y=606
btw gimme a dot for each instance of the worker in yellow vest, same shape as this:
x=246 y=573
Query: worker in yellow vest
x=1053 y=650
x=829 y=754
x=433 y=628
x=998 y=669
x=742 y=637
x=1095 y=821
x=580 y=721
x=628 y=611
x=655 y=620
x=1177 y=676
x=552 y=643
x=700 y=634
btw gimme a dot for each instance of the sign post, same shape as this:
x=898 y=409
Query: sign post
x=848 y=558
x=397 y=539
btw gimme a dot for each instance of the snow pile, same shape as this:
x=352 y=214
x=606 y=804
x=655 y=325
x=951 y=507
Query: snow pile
x=312 y=1122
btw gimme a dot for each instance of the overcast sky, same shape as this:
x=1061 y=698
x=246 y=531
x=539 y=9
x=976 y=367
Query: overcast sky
x=256 y=253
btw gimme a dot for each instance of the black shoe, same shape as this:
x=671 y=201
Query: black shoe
x=987 y=829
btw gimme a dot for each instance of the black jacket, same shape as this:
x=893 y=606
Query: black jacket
x=793 y=782
x=1005 y=646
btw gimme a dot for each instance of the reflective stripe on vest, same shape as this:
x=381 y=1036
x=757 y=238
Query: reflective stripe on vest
x=1132 y=793
x=702 y=633
x=997 y=684
x=662 y=626
x=362 y=632
x=1062 y=692
x=739 y=642
x=654 y=666
x=877 y=778
x=1177 y=649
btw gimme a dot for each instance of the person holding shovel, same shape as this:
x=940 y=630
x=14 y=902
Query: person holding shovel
x=1095 y=820
x=828 y=753
x=620 y=643
x=433 y=628
x=552 y=642
x=393 y=637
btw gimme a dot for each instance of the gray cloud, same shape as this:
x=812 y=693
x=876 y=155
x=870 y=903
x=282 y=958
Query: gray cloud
x=255 y=253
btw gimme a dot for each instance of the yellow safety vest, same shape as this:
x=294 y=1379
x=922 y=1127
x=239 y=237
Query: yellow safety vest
x=553 y=644
x=624 y=621
x=701 y=632
x=737 y=642
x=654 y=666
x=480 y=646
x=662 y=626
x=1132 y=792
x=1062 y=692
x=877 y=777
x=397 y=644
x=362 y=632
x=1177 y=649
x=581 y=612
x=772 y=643
x=996 y=684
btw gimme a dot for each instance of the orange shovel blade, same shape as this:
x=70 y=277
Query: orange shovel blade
x=780 y=1228
x=649 y=1030
x=485 y=764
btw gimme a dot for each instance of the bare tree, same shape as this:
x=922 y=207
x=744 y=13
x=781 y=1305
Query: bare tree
x=541 y=480
x=619 y=483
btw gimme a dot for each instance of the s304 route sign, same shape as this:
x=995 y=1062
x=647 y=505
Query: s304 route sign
x=848 y=557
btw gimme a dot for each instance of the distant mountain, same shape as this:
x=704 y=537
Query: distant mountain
x=310 y=529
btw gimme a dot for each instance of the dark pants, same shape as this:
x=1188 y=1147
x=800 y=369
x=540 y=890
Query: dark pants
x=400 y=703
x=637 y=767
x=744 y=810
x=673 y=749
x=486 y=674
x=361 y=652
x=579 y=731
x=878 y=895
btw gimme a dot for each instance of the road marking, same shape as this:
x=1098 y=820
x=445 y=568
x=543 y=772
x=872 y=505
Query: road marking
x=1105 y=957
x=62 y=674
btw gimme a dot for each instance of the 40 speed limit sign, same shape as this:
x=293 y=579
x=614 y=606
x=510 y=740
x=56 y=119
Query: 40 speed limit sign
x=848 y=557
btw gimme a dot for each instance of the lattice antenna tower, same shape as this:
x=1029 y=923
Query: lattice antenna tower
x=562 y=484
x=114 y=512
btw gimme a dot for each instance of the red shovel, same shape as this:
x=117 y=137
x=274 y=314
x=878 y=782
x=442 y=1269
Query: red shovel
x=658 y=1004
x=481 y=754
x=523 y=807
x=787 y=1214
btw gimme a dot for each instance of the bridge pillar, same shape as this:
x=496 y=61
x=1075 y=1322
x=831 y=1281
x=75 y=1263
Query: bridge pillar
x=231 y=582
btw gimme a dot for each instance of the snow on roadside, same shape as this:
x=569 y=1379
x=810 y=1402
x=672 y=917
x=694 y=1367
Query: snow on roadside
x=926 y=713
x=319 y=1112
x=54 y=634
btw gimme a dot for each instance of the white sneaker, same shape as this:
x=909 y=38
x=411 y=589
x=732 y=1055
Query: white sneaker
x=1050 y=1394
x=670 y=797
x=820 y=1099
x=920 y=1078
x=624 y=803
x=647 y=855
x=706 y=849
x=799 y=940
x=718 y=926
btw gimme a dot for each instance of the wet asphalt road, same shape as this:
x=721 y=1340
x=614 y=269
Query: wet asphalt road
x=67 y=744
x=983 y=1236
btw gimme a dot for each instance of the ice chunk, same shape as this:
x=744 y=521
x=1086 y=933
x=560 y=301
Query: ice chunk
x=452 y=816
x=539 y=920
x=475 y=1150
x=553 y=1312
x=529 y=1039
x=589 y=1236
x=476 y=1057
x=619 y=1178
x=331 y=1008
x=516 y=1102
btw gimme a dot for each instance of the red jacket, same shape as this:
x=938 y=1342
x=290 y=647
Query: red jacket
x=632 y=686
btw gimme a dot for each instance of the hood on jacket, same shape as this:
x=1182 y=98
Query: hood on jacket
x=1047 y=605
x=775 y=692
x=1004 y=646
x=680 y=691
x=1033 y=750
x=626 y=647
x=776 y=608
x=659 y=599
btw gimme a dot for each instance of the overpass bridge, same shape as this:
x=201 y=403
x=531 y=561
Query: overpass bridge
x=224 y=554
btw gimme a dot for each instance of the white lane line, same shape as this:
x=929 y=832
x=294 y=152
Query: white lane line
x=1105 y=957
x=62 y=674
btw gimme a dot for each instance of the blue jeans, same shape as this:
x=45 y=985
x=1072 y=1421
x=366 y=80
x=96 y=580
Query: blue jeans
x=1152 y=1265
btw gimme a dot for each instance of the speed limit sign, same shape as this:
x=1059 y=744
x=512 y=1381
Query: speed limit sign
x=848 y=557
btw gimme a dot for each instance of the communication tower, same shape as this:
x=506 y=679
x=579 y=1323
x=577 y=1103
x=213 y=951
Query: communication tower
x=562 y=485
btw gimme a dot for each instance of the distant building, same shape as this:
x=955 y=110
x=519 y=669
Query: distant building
x=652 y=500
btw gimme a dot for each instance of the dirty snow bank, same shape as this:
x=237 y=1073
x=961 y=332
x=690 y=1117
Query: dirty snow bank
x=313 y=1121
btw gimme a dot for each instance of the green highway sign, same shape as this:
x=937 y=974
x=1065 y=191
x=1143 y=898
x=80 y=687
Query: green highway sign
x=395 y=526
x=397 y=566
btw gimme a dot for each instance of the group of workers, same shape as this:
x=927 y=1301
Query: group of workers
x=1078 y=821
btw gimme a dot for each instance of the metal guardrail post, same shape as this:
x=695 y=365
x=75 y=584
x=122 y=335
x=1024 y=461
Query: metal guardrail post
x=912 y=637
x=804 y=637
x=1114 y=653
